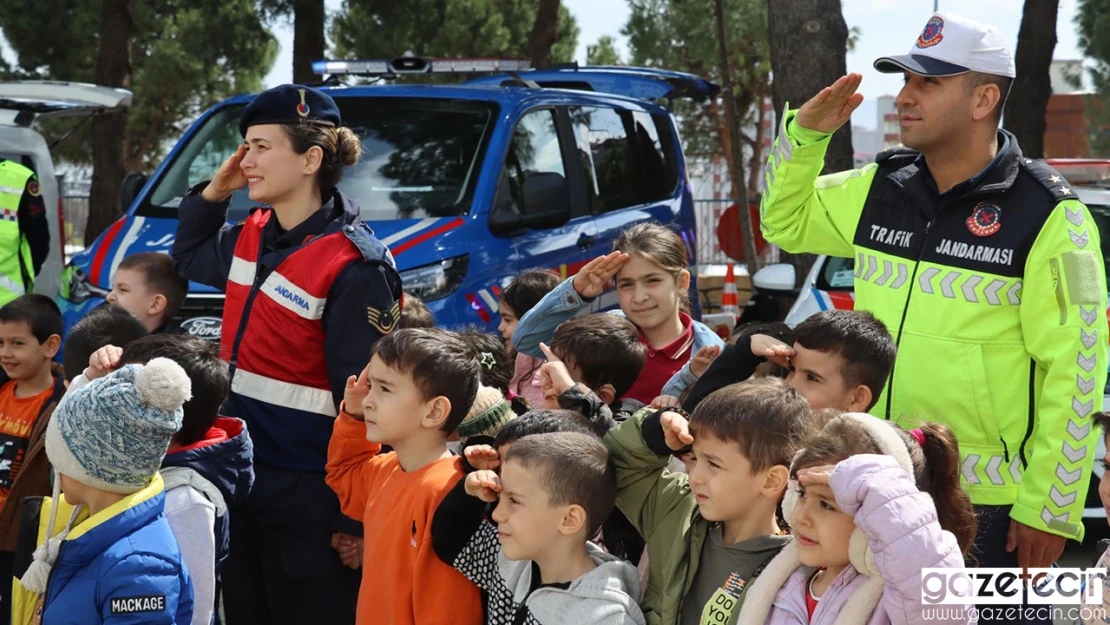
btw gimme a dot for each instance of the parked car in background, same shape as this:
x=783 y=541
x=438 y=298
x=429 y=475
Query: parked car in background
x=468 y=184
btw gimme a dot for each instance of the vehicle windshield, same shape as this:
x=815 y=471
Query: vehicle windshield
x=420 y=158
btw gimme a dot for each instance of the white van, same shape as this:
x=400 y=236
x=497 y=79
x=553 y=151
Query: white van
x=22 y=103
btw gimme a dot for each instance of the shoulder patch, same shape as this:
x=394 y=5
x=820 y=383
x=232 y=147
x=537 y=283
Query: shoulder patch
x=1049 y=178
x=384 y=320
x=137 y=605
x=895 y=152
x=33 y=188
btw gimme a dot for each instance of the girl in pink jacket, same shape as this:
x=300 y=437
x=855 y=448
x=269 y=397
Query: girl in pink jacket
x=520 y=296
x=866 y=527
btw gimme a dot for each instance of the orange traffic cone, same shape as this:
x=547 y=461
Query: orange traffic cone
x=730 y=301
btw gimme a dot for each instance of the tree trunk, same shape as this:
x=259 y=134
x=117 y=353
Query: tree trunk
x=544 y=32
x=736 y=162
x=113 y=69
x=308 y=39
x=1036 y=42
x=809 y=41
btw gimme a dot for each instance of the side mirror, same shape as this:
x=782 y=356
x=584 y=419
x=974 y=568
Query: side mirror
x=132 y=184
x=546 y=199
x=775 y=279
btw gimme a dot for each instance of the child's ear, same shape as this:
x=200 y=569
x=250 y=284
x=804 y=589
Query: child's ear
x=158 y=304
x=774 y=484
x=52 y=344
x=607 y=394
x=859 y=399
x=684 y=280
x=439 y=408
x=574 y=520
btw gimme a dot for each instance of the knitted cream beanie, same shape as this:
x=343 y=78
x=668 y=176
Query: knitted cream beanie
x=487 y=415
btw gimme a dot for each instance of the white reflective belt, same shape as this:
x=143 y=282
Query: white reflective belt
x=286 y=394
x=12 y=190
x=242 y=271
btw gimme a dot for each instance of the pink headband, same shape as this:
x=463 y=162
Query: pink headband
x=918 y=435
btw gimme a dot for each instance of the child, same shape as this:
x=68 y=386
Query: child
x=413 y=394
x=487 y=416
x=652 y=280
x=536 y=563
x=106 y=442
x=708 y=533
x=30 y=334
x=415 y=313
x=147 y=286
x=864 y=528
x=208 y=467
x=841 y=359
x=605 y=354
x=521 y=296
x=104 y=325
x=1091 y=613
x=496 y=364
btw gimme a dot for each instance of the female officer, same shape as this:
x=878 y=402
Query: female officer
x=309 y=289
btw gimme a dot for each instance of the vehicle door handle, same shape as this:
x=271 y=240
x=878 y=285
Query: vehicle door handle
x=585 y=241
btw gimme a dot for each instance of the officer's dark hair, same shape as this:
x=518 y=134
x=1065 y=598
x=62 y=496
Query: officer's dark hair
x=341 y=148
x=161 y=278
x=574 y=469
x=208 y=374
x=415 y=313
x=605 y=347
x=441 y=365
x=863 y=343
x=978 y=79
x=105 y=325
x=38 y=311
x=543 y=421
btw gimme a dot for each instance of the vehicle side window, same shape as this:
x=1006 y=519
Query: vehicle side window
x=533 y=154
x=837 y=274
x=626 y=157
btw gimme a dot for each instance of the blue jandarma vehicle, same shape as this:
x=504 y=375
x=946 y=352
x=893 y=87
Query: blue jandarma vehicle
x=468 y=184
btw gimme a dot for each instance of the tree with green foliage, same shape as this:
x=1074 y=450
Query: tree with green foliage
x=1093 y=21
x=185 y=56
x=446 y=28
x=604 y=52
x=309 y=21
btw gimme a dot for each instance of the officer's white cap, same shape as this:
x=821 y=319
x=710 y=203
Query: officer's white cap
x=951 y=45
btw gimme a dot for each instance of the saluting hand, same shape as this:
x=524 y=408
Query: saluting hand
x=356 y=390
x=228 y=179
x=590 y=281
x=832 y=107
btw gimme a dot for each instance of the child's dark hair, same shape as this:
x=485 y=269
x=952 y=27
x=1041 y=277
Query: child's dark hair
x=160 y=277
x=415 y=313
x=527 y=289
x=936 y=467
x=440 y=363
x=107 y=324
x=542 y=421
x=37 y=311
x=573 y=468
x=660 y=245
x=207 y=372
x=495 y=366
x=863 y=343
x=605 y=347
x=765 y=417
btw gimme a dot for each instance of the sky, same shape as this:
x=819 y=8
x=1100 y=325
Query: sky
x=888 y=27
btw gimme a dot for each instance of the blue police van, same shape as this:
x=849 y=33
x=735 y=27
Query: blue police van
x=468 y=184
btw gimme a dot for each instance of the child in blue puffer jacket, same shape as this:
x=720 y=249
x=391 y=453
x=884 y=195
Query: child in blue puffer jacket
x=122 y=565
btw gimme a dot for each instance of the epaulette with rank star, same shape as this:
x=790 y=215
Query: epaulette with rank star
x=895 y=151
x=1049 y=178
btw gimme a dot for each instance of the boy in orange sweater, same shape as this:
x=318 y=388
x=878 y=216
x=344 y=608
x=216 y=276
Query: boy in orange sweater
x=417 y=388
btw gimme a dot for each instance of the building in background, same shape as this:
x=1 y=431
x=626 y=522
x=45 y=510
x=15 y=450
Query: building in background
x=1067 y=133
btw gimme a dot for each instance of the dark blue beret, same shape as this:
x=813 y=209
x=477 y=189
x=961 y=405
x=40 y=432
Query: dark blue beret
x=289 y=104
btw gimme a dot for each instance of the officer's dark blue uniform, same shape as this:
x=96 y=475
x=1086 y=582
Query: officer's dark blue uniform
x=282 y=568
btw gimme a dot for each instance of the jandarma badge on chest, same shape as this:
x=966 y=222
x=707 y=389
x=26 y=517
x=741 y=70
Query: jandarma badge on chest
x=985 y=220
x=136 y=605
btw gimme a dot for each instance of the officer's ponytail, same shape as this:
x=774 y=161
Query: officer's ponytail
x=341 y=148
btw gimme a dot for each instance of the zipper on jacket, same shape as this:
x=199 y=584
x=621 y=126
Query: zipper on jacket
x=905 y=310
x=244 y=316
x=1005 y=450
x=1032 y=412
